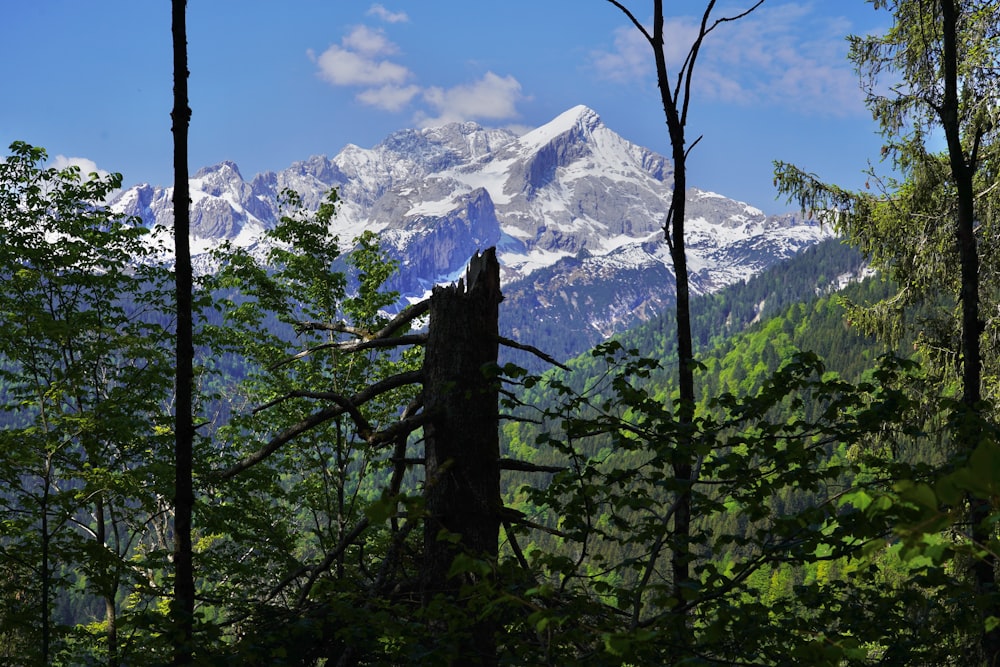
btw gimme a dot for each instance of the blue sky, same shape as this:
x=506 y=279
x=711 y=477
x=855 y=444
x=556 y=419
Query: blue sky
x=272 y=83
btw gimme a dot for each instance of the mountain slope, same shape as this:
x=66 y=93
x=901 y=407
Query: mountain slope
x=749 y=329
x=575 y=211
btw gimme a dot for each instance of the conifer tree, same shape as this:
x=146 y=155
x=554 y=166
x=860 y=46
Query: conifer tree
x=933 y=73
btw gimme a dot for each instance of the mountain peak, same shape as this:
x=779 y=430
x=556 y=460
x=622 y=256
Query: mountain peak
x=224 y=166
x=575 y=210
x=581 y=115
x=580 y=119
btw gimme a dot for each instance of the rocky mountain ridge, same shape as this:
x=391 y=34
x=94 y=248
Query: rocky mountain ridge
x=575 y=211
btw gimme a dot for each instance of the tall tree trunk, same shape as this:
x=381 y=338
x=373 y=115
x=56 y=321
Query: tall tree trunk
x=46 y=567
x=183 y=608
x=676 y=100
x=963 y=171
x=680 y=557
x=110 y=609
x=462 y=446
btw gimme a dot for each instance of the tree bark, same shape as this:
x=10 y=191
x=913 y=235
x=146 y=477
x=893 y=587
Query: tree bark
x=963 y=171
x=462 y=446
x=110 y=607
x=183 y=607
x=46 y=567
x=680 y=557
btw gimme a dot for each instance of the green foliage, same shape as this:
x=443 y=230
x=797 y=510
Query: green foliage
x=829 y=498
x=929 y=227
x=765 y=494
x=85 y=372
x=315 y=508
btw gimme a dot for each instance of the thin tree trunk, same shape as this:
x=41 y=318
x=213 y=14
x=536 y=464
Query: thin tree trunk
x=680 y=557
x=46 y=570
x=462 y=445
x=110 y=611
x=183 y=609
x=963 y=171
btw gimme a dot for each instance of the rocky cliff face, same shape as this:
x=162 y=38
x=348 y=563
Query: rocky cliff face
x=575 y=211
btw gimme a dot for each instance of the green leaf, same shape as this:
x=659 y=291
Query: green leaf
x=918 y=493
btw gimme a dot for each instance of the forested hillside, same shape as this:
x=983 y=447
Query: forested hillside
x=305 y=548
x=312 y=479
x=746 y=333
x=272 y=463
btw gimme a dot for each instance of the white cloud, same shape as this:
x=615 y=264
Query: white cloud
x=381 y=12
x=362 y=61
x=631 y=59
x=369 y=42
x=389 y=97
x=359 y=62
x=786 y=55
x=346 y=68
x=86 y=166
x=493 y=97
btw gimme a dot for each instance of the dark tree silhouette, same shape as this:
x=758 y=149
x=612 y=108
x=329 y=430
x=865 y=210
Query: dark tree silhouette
x=183 y=608
x=462 y=445
x=676 y=98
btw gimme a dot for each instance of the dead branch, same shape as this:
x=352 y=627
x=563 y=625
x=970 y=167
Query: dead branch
x=524 y=466
x=734 y=17
x=631 y=17
x=399 y=429
x=321 y=417
x=333 y=327
x=363 y=427
x=411 y=461
x=515 y=547
x=404 y=316
x=330 y=558
x=399 y=454
x=511 y=516
x=507 y=342
x=354 y=346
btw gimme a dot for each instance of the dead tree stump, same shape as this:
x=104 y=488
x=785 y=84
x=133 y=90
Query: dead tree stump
x=462 y=448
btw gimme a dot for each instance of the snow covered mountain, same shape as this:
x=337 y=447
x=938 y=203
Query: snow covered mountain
x=575 y=211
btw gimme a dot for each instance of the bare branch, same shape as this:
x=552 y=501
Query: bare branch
x=686 y=72
x=354 y=346
x=330 y=558
x=399 y=429
x=524 y=466
x=404 y=316
x=511 y=516
x=399 y=454
x=411 y=461
x=321 y=417
x=735 y=17
x=660 y=542
x=366 y=339
x=532 y=349
x=335 y=327
x=515 y=547
x=693 y=144
x=631 y=17
x=362 y=425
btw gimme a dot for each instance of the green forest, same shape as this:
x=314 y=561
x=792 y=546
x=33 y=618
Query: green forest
x=257 y=465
